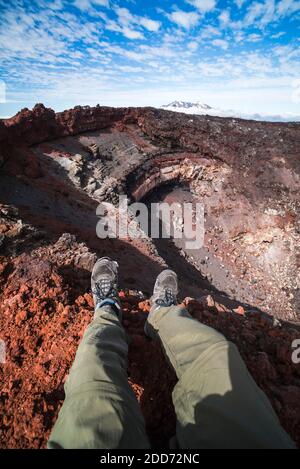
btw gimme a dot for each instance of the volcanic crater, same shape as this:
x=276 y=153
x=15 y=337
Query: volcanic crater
x=244 y=281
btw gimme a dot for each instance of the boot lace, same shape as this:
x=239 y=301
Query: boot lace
x=105 y=289
x=168 y=300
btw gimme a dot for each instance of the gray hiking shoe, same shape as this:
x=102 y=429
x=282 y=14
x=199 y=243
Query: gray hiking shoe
x=164 y=295
x=104 y=284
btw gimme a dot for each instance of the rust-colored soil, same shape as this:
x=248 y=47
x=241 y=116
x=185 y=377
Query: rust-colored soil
x=45 y=308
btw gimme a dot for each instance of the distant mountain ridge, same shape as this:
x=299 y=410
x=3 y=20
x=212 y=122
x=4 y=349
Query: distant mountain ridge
x=199 y=108
x=187 y=105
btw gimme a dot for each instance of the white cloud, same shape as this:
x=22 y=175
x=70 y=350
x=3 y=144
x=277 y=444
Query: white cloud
x=55 y=5
x=103 y=3
x=127 y=31
x=269 y=14
x=131 y=55
x=264 y=13
x=225 y=18
x=210 y=31
x=221 y=43
x=278 y=35
x=82 y=4
x=112 y=25
x=255 y=11
x=160 y=52
x=288 y=7
x=2 y=92
x=193 y=46
x=259 y=14
x=287 y=53
x=130 y=69
x=86 y=5
x=124 y=16
x=203 y=5
x=254 y=37
x=240 y=3
x=151 y=25
x=240 y=36
x=127 y=24
x=258 y=64
x=184 y=19
x=132 y=34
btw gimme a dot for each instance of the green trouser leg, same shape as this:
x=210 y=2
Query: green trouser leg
x=100 y=408
x=217 y=403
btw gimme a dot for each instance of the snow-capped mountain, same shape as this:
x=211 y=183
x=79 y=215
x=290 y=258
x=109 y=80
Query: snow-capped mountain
x=204 y=109
x=186 y=105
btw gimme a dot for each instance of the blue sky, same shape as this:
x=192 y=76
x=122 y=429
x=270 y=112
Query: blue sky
x=238 y=54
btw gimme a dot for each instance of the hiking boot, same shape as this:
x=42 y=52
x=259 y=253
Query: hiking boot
x=104 y=284
x=164 y=295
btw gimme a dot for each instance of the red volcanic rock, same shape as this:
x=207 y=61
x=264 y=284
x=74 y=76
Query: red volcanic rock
x=29 y=127
x=217 y=137
x=212 y=137
x=240 y=310
x=44 y=322
x=3 y=143
x=42 y=124
x=81 y=119
x=2 y=129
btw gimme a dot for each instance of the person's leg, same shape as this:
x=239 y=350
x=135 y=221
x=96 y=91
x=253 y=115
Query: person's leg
x=217 y=403
x=100 y=408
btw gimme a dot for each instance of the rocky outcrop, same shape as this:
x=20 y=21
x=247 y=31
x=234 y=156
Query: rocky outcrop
x=42 y=124
x=29 y=127
x=159 y=171
x=224 y=139
x=83 y=119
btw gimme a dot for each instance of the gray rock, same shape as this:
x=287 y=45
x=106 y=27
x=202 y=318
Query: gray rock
x=66 y=241
x=86 y=261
